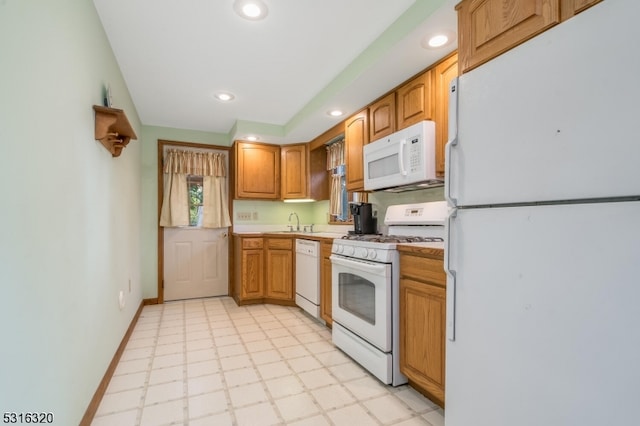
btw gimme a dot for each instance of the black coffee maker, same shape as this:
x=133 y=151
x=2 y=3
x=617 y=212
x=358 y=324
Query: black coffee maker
x=363 y=220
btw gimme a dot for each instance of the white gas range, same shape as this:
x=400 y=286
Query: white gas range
x=365 y=281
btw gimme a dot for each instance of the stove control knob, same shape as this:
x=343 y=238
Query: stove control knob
x=339 y=248
x=361 y=252
x=349 y=250
x=372 y=254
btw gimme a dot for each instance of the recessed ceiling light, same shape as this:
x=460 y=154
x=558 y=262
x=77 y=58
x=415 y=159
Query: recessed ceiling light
x=252 y=138
x=224 y=96
x=439 y=39
x=251 y=9
x=335 y=113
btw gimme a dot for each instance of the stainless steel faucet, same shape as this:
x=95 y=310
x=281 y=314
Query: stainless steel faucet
x=297 y=220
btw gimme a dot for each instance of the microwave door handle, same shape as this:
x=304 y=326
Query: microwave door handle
x=403 y=144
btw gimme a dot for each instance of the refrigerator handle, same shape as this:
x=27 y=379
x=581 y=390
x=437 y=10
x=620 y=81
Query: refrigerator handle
x=453 y=140
x=451 y=280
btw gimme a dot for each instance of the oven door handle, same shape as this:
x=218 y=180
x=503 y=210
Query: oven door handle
x=359 y=264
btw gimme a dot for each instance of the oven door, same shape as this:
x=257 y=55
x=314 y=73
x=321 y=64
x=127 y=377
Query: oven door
x=361 y=299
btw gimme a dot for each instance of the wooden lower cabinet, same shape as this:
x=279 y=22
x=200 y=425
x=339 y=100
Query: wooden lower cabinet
x=279 y=271
x=263 y=270
x=325 y=283
x=248 y=268
x=252 y=278
x=423 y=321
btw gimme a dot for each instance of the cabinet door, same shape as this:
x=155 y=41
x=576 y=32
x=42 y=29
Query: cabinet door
x=280 y=274
x=488 y=28
x=415 y=101
x=444 y=72
x=569 y=8
x=356 y=136
x=422 y=336
x=294 y=171
x=257 y=171
x=325 y=285
x=252 y=274
x=382 y=117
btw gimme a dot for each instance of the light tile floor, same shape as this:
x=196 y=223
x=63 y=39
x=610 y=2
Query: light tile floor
x=211 y=362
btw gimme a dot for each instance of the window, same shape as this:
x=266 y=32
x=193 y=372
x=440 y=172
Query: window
x=194 y=184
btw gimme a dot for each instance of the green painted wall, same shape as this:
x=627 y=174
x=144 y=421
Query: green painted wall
x=72 y=213
x=274 y=212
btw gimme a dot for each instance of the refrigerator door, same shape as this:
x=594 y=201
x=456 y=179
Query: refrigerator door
x=547 y=315
x=555 y=118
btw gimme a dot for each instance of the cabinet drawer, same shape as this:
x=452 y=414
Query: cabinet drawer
x=280 y=243
x=423 y=269
x=252 y=243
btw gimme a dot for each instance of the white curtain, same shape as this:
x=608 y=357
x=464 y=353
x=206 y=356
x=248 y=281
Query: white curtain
x=335 y=195
x=335 y=158
x=335 y=155
x=215 y=211
x=175 y=203
x=175 y=199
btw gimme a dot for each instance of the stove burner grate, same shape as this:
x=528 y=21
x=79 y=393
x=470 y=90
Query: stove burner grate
x=376 y=238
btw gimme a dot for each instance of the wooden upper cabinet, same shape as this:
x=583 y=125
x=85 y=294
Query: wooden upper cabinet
x=382 y=117
x=293 y=166
x=488 y=28
x=415 y=100
x=257 y=173
x=318 y=176
x=443 y=72
x=356 y=136
x=569 y=8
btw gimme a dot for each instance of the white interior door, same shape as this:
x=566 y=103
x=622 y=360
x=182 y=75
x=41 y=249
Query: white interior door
x=195 y=263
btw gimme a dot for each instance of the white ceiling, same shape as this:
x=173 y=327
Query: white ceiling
x=286 y=71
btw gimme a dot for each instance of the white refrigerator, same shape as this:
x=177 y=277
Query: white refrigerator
x=543 y=241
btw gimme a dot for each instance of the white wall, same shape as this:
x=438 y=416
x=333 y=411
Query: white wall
x=70 y=237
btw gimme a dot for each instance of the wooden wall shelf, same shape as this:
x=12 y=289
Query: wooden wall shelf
x=113 y=129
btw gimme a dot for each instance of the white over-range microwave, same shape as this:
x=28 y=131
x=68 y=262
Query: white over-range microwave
x=402 y=161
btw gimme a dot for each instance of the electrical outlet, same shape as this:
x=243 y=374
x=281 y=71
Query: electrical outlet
x=255 y=215
x=243 y=215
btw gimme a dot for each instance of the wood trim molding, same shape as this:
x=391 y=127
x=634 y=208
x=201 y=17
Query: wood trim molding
x=325 y=137
x=104 y=383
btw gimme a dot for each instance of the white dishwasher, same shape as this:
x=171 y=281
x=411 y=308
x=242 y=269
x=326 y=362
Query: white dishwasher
x=308 y=276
